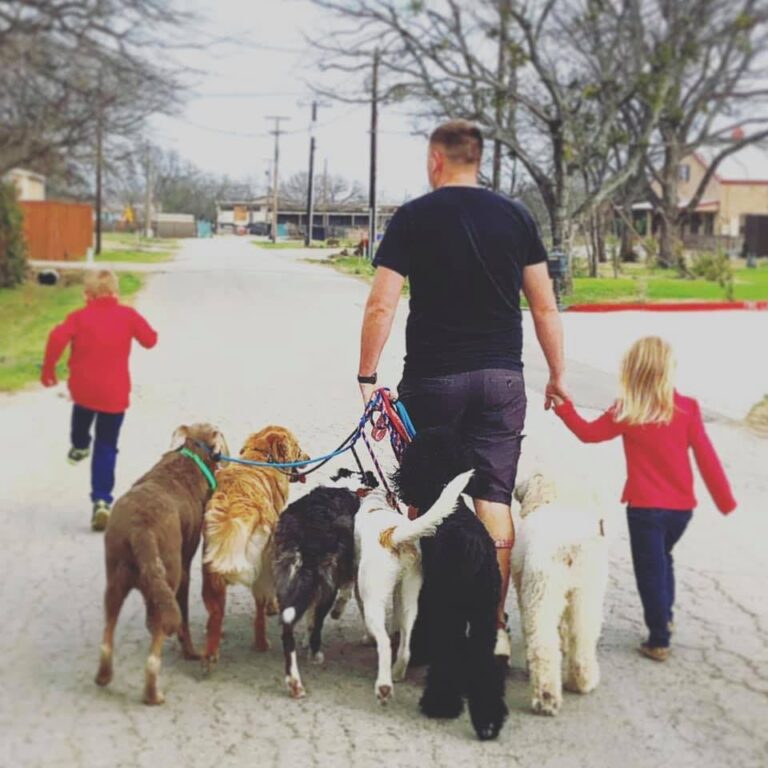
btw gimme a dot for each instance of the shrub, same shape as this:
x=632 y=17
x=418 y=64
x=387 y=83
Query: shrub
x=715 y=268
x=13 y=259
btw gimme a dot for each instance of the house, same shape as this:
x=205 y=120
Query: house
x=30 y=186
x=734 y=205
x=255 y=216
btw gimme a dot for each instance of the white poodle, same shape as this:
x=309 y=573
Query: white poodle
x=560 y=572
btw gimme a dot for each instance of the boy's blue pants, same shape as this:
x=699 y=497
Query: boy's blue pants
x=104 y=447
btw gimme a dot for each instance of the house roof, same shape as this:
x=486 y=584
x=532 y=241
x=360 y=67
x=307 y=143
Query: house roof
x=747 y=166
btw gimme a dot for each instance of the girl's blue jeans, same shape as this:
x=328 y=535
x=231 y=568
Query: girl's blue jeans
x=652 y=534
x=104 y=447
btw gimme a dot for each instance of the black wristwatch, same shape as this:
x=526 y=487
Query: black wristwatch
x=367 y=379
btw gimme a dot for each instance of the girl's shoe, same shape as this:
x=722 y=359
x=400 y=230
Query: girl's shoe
x=100 y=516
x=653 y=652
x=76 y=455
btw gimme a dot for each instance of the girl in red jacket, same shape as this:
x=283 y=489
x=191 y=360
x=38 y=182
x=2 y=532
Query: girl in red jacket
x=100 y=335
x=658 y=427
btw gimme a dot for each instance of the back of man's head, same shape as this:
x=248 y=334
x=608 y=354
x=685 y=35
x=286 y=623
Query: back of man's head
x=460 y=141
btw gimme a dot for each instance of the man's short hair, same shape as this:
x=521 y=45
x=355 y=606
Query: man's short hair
x=460 y=140
x=100 y=283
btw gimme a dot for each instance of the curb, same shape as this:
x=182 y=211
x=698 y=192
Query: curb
x=677 y=306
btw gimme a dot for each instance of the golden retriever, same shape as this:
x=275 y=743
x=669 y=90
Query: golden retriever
x=237 y=530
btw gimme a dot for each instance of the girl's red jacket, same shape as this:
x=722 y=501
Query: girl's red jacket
x=100 y=335
x=659 y=470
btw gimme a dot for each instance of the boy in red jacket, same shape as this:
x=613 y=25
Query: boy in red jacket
x=659 y=428
x=100 y=335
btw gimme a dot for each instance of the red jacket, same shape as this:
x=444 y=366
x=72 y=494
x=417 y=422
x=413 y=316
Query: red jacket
x=100 y=334
x=659 y=470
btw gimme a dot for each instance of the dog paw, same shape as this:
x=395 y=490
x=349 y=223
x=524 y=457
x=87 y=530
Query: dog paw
x=384 y=694
x=103 y=676
x=208 y=662
x=488 y=732
x=546 y=704
x=191 y=654
x=295 y=688
x=153 y=697
x=399 y=669
x=318 y=658
x=582 y=680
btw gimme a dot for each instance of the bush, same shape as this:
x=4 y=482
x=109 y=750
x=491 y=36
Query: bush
x=13 y=259
x=715 y=268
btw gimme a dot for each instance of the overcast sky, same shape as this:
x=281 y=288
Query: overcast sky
x=224 y=129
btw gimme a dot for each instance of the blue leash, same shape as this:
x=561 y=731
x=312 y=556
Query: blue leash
x=347 y=445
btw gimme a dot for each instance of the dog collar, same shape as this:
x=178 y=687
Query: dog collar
x=203 y=468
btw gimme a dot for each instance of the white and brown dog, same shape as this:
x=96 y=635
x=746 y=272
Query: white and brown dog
x=390 y=568
x=560 y=572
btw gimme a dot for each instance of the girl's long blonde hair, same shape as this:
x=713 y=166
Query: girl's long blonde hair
x=646 y=383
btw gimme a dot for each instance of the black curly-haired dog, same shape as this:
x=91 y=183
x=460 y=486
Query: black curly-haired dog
x=313 y=560
x=460 y=593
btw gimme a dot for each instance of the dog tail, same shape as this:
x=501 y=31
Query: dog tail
x=427 y=524
x=296 y=586
x=162 y=609
x=226 y=538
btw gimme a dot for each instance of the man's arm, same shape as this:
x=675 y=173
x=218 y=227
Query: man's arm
x=377 y=322
x=537 y=288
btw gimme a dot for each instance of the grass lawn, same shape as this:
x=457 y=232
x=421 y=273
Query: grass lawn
x=634 y=284
x=29 y=312
x=134 y=249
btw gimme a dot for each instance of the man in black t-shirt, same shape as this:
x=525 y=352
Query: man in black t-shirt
x=467 y=252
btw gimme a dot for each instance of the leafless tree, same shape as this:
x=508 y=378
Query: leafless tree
x=715 y=53
x=331 y=191
x=68 y=66
x=567 y=69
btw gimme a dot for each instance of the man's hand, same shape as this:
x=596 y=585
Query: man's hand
x=367 y=390
x=556 y=392
x=48 y=379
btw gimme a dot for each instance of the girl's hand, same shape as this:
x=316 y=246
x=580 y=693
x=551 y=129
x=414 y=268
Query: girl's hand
x=48 y=379
x=557 y=400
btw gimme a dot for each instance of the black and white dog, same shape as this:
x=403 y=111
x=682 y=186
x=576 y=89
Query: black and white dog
x=314 y=560
x=460 y=593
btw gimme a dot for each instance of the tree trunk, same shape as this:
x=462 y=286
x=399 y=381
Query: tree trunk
x=669 y=217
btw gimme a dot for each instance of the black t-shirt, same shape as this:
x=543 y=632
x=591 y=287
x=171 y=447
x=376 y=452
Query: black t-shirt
x=461 y=318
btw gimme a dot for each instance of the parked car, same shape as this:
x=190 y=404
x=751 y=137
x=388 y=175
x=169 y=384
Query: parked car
x=259 y=228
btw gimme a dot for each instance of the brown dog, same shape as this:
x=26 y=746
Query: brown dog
x=237 y=533
x=151 y=538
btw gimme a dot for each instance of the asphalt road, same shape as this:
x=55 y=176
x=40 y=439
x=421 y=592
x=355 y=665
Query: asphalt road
x=249 y=337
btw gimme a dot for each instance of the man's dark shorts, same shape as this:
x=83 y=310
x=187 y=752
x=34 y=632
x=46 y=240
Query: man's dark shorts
x=488 y=407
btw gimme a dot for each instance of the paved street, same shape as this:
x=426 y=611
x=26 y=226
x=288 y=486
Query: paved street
x=248 y=337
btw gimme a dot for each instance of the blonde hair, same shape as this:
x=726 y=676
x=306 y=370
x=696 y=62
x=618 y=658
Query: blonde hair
x=647 y=383
x=100 y=283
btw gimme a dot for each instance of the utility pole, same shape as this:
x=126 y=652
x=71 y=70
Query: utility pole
x=148 y=195
x=99 y=163
x=311 y=178
x=374 y=130
x=275 y=175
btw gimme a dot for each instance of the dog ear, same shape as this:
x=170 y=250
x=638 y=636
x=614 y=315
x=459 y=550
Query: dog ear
x=279 y=447
x=179 y=437
x=219 y=443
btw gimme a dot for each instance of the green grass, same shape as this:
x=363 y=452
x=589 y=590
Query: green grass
x=130 y=248
x=134 y=257
x=636 y=283
x=28 y=313
x=282 y=245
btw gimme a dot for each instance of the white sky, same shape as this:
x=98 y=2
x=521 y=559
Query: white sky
x=223 y=127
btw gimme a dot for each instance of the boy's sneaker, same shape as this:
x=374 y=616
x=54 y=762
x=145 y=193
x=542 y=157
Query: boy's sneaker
x=100 y=516
x=653 y=652
x=76 y=455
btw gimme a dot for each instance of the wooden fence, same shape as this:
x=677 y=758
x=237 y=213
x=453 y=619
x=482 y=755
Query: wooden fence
x=57 y=231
